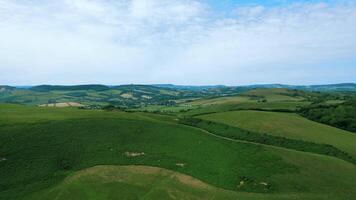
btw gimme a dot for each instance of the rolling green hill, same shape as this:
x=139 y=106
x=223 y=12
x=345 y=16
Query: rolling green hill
x=102 y=152
x=42 y=149
x=40 y=146
x=144 y=182
x=167 y=99
x=288 y=125
x=124 y=96
x=48 y=88
x=131 y=182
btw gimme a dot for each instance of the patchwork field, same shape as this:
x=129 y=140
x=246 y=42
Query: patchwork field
x=62 y=105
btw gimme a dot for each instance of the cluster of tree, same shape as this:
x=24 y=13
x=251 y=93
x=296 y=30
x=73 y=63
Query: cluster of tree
x=240 y=134
x=340 y=115
x=322 y=97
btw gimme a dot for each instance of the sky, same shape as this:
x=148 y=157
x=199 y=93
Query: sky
x=186 y=42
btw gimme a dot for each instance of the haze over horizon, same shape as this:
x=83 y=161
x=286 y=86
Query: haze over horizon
x=184 y=42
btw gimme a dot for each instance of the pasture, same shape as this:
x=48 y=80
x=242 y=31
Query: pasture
x=288 y=125
x=43 y=148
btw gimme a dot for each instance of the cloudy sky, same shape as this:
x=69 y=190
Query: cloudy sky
x=200 y=42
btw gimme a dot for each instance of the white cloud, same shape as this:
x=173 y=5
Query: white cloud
x=182 y=41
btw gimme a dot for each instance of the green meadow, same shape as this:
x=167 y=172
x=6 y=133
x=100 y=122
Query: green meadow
x=288 y=125
x=42 y=149
x=129 y=142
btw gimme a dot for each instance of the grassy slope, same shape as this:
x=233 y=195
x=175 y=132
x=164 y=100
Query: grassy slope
x=34 y=141
x=143 y=182
x=132 y=182
x=288 y=125
x=331 y=177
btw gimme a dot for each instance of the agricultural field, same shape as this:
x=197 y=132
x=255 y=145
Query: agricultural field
x=200 y=147
x=124 y=96
x=259 y=99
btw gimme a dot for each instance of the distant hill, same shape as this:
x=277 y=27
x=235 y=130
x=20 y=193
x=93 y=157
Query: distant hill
x=160 y=94
x=141 y=88
x=190 y=87
x=7 y=87
x=46 y=88
x=333 y=87
x=4 y=89
x=327 y=87
x=156 y=87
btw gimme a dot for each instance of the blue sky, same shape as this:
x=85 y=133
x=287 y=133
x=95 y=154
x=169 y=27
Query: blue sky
x=195 y=42
x=230 y=4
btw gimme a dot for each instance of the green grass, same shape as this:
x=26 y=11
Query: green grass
x=131 y=182
x=142 y=182
x=327 y=175
x=221 y=100
x=235 y=133
x=288 y=125
x=54 y=141
x=43 y=146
